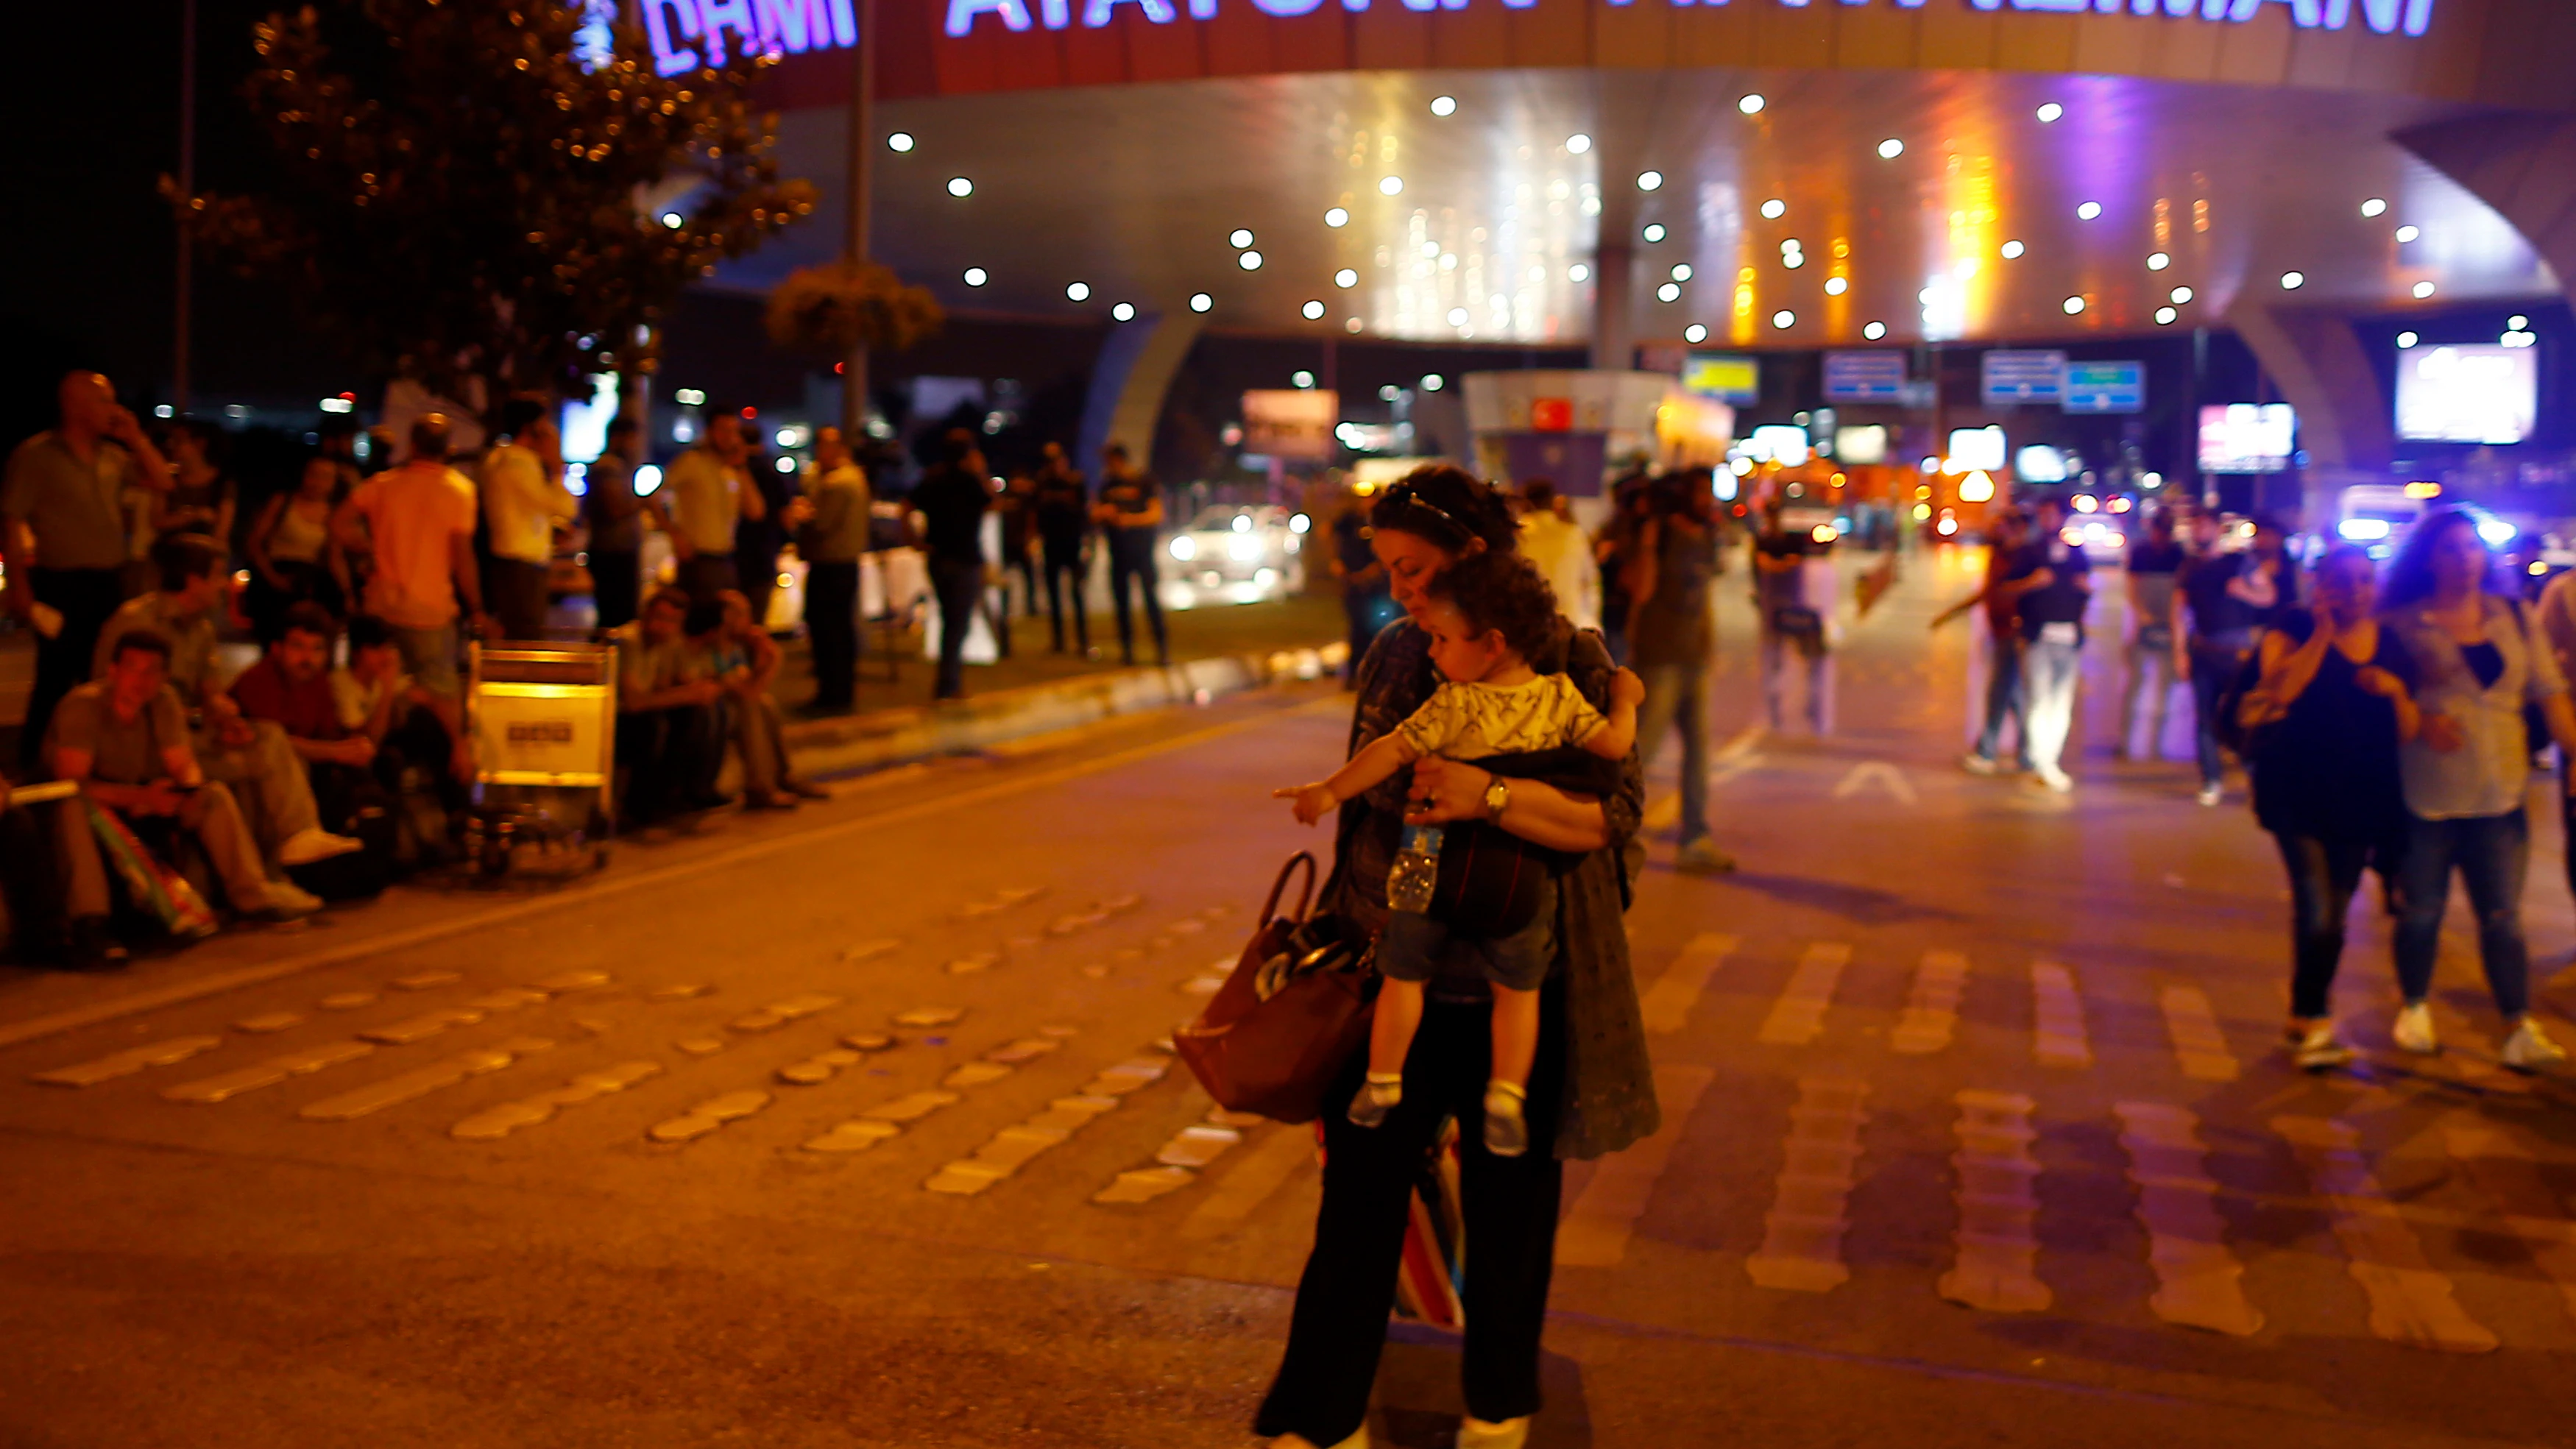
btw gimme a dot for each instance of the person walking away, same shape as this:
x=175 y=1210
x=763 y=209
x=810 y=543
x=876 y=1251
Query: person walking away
x=1551 y=539
x=832 y=541
x=2335 y=702
x=2227 y=599
x=1591 y=1088
x=615 y=517
x=415 y=523
x=2155 y=562
x=202 y=497
x=1130 y=515
x=1061 y=511
x=1365 y=606
x=1672 y=643
x=2057 y=588
x=1794 y=616
x=524 y=502
x=2480 y=664
x=62 y=535
x=293 y=558
x=705 y=495
x=1999 y=599
x=952 y=499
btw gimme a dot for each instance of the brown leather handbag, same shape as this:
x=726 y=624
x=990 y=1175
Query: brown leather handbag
x=1289 y=1017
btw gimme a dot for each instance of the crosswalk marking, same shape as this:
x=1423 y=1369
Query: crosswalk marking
x=509 y=1117
x=1932 y=1008
x=225 y=1086
x=2410 y=1303
x=2199 y=1045
x=1998 y=1249
x=2199 y=1282
x=1798 y=1017
x=1802 y=1235
x=420 y=1082
x=2507 y=1177
x=1667 y=1006
x=1250 y=1182
x=129 y=1061
x=2059 y=1040
x=1595 y=1234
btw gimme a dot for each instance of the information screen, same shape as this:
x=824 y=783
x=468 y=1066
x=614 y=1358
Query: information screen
x=1976 y=448
x=2247 y=437
x=2479 y=393
x=1723 y=376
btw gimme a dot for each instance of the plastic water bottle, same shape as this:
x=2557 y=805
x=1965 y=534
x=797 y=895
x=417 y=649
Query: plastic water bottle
x=1416 y=871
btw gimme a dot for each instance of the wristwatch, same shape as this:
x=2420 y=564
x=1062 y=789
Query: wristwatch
x=1498 y=797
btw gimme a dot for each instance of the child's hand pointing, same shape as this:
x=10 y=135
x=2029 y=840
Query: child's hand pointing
x=1314 y=802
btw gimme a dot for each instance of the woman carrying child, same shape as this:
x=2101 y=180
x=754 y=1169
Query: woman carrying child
x=1589 y=1088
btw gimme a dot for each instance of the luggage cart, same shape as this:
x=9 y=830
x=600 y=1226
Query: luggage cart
x=543 y=719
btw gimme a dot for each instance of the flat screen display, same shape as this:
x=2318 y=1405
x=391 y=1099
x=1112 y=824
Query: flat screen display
x=2247 y=437
x=1723 y=376
x=1976 y=448
x=2478 y=393
x=1778 y=443
x=1861 y=445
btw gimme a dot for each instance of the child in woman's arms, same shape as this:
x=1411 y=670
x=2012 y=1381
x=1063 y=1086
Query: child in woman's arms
x=1489 y=615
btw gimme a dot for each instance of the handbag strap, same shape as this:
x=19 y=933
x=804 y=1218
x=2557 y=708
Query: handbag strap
x=1305 y=895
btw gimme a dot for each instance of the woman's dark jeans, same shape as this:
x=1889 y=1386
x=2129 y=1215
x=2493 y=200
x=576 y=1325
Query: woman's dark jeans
x=2492 y=853
x=2323 y=876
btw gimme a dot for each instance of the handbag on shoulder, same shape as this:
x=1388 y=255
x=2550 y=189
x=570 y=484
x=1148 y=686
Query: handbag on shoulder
x=1290 y=1015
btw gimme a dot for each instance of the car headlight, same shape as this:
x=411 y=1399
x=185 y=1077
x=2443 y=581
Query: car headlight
x=1245 y=547
x=1185 y=547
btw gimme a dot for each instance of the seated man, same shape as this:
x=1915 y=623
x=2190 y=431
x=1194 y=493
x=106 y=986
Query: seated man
x=670 y=732
x=290 y=687
x=415 y=728
x=742 y=657
x=122 y=739
x=252 y=758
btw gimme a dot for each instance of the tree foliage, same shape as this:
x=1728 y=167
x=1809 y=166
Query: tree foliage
x=458 y=198
x=840 y=305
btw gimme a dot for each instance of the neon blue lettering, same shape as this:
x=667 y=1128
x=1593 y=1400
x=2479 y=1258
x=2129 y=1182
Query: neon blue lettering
x=1096 y=13
x=715 y=17
x=1284 y=9
x=2303 y=13
x=1206 y=9
x=1055 y=14
x=962 y=13
x=2050 y=4
x=669 y=56
x=796 y=26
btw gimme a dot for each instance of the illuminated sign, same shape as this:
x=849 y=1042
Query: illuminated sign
x=1976 y=450
x=2247 y=437
x=2481 y=393
x=1864 y=377
x=688 y=34
x=2105 y=387
x=2022 y=377
x=1727 y=378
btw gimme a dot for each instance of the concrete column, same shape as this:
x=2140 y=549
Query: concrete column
x=2522 y=165
x=2316 y=361
x=1614 y=344
x=1128 y=384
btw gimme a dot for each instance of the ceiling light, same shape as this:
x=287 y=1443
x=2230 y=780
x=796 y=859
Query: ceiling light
x=1431 y=382
x=1337 y=217
x=2050 y=113
x=2406 y=340
x=1390 y=185
x=1346 y=278
x=1681 y=271
x=1668 y=292
x=2182 y=296
x=2518 y=324
x=1431 y=249
x=1694 y=333
x=1239 y=238
x=977 y=276
x=1301 y=378
x=2408 y=233
x=1123 y=312
x=1654 y=232
x=2088 y=211
x=2074 y=306
x=1750 y=105
x=1784 y=319
x=1457 y=316
x=1351 y=324
x=2165 y=316
x=1890 y=149
x=1836 y=286
x=1577 y=144
x=2423 y=290
x=2293 y=281
x=2158 y=261
x=1650 y=180
x=1314 y=311
x=1874 y=331
x=899 y=141
x=1078 y=291
x=674 y=220
x=1249 y=261
x=1388 y=392
x=1444 y=105
x=2012 y=251
x=1793 y=260
x=1578 y=273
x=1201 y=301
x=1775 y=208
x=2375 y=206
x=960 y=186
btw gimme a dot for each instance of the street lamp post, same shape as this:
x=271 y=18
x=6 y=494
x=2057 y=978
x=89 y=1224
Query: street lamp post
x=854 y=245
x=184 y=278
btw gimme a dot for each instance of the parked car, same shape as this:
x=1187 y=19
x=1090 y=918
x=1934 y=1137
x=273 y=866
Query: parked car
x=1235 y=554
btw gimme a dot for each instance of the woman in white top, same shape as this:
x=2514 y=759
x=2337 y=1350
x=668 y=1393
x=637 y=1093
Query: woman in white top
x=2480 y=662
x=292 y=555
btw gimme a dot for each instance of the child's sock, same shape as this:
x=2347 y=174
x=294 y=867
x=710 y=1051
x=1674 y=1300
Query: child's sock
x=1506 y=1130
x=1376 y=1097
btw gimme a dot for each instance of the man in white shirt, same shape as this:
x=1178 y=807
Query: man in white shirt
x=705 y=492
x=1551 y=539
x=525 y=500
x=418 y=523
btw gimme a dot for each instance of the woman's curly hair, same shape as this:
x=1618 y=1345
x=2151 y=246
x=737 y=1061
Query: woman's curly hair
x=1505 y=593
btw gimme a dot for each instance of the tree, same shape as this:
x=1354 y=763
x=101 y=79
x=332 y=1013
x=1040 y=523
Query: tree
x=463 y=198
x=841 y=305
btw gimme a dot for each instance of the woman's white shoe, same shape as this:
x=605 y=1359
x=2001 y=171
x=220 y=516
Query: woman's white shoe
x=2413 y=1030
x=2530 y=1047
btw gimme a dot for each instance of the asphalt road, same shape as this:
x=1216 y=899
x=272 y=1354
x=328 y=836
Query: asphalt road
x=1978 y=1134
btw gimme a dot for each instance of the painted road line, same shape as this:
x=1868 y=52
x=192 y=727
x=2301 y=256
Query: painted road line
x=1667 y=1006
x=2507 y=1176
x=2200 y=1283
x=1798 y=1017
x=707 y=1116
x=509 y=1117
x=393 y=1091
x=1932 y=1007
x=2058 y=1040
x=2200 y=1046
x=129 y=1061
x=1882 y=774
x=1252 y=1181
x=228 y=1085
x=2410 y=1303
x=1802 y=1235
x=556 y=904
x=1998 y=1261
x=1595 y=1234
x=1727 y=761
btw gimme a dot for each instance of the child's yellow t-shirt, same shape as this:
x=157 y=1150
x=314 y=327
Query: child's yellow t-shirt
x=1471 y=721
